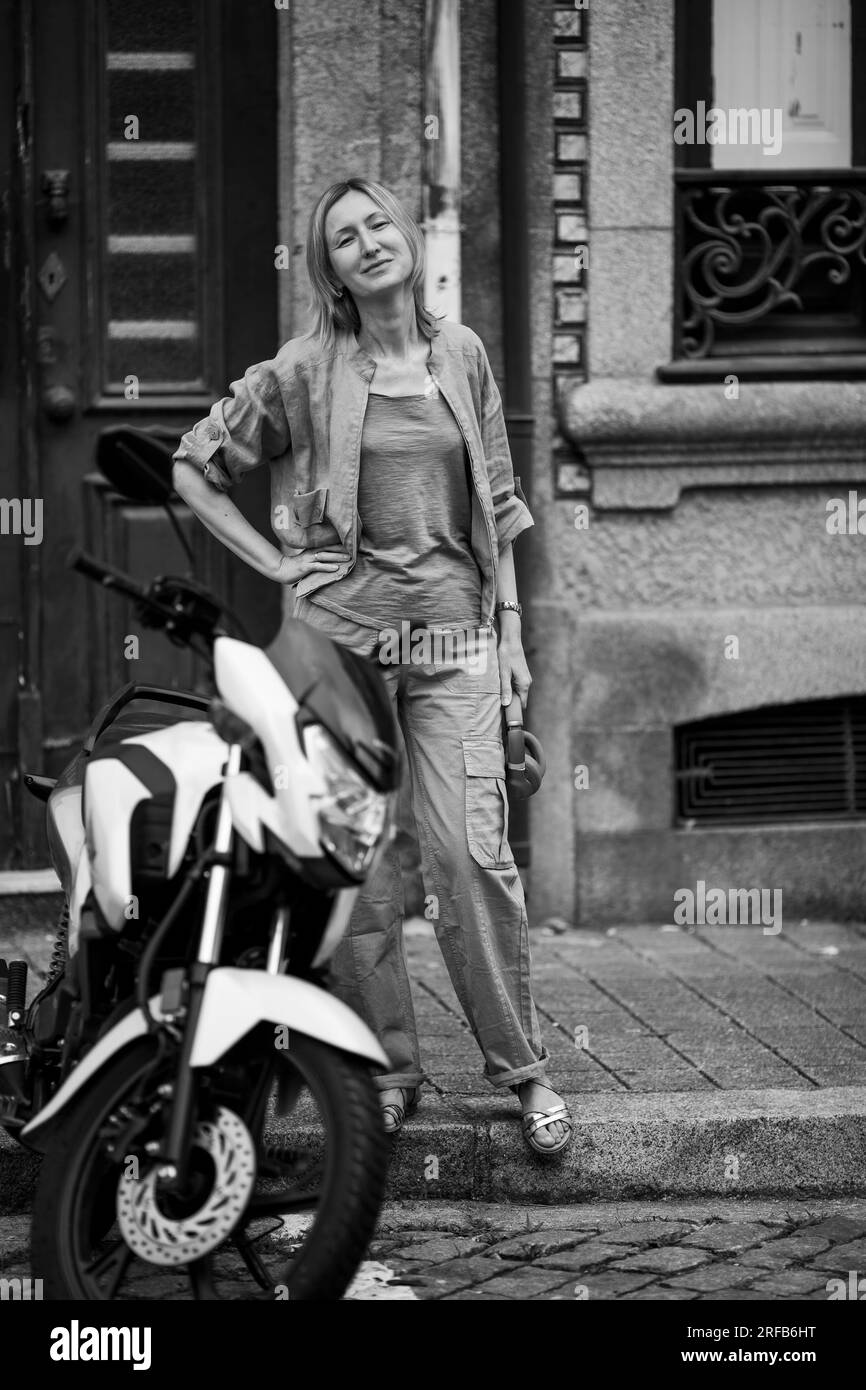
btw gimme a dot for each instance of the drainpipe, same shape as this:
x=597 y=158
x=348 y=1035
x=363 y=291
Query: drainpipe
x=517 y=393
x=517 y=385
x=442 y=156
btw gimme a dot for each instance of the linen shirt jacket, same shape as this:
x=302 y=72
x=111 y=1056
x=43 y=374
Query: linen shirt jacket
x=303 y=413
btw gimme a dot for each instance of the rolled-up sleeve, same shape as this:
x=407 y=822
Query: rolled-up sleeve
x=509 y=505
x=243 y=430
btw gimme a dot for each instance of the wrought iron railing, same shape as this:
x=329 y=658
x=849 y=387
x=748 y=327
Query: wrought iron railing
x=770 y=265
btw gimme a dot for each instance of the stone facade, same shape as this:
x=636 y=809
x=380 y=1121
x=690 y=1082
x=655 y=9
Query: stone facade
x=706 y=519
x=352 y=102
x=706 y=515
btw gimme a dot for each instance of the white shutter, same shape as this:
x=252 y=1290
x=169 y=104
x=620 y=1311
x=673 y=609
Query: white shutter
x=792 y=56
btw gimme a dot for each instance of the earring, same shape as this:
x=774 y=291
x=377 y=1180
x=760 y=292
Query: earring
x=338 y=294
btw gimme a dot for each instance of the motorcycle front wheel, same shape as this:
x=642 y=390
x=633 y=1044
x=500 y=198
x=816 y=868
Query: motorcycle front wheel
x=284 y=1187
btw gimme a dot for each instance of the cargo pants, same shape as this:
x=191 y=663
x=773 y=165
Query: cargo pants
x=450 y=716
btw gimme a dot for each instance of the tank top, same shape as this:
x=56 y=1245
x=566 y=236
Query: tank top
x=415 y=559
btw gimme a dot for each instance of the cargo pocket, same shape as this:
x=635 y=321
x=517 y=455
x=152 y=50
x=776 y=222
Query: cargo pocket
x=486 y=803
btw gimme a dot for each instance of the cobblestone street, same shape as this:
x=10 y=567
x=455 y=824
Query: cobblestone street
x=700 y=1251
x=657 y=1251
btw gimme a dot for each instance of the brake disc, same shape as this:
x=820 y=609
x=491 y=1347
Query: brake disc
x=163 y=1239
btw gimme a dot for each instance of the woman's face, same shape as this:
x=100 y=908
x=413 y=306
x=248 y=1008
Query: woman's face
x=368 y=252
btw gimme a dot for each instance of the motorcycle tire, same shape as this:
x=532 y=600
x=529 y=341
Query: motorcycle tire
x=352 y=1192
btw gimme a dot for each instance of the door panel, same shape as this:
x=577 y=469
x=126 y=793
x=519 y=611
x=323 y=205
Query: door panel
x=11 y=545
x=141 y=179
x=135 y=538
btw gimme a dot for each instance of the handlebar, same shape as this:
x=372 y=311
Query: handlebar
x=111 y=578
x=181 y=608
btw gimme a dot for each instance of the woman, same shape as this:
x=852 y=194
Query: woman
x=394 y=500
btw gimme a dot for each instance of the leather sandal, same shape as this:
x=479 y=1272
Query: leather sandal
x=396 y=1113
x=534 y=1120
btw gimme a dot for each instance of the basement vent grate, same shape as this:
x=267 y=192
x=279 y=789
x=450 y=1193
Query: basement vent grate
x=785 y=763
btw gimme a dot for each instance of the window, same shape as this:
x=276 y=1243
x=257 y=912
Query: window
x=152 y=200
x=770 y=135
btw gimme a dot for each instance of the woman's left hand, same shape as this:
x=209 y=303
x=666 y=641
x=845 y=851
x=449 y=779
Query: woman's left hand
x=513 y=670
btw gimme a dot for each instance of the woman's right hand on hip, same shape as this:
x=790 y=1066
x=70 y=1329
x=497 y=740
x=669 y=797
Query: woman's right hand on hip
x=294 y=568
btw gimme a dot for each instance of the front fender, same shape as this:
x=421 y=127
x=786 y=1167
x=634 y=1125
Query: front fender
x=235 y=1001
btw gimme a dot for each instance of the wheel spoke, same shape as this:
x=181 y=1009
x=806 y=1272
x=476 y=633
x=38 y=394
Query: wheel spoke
x=112 y=1262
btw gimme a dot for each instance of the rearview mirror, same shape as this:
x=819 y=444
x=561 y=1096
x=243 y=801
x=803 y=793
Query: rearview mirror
x=136 y=463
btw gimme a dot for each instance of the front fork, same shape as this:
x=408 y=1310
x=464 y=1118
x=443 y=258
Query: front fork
x=175 y=1154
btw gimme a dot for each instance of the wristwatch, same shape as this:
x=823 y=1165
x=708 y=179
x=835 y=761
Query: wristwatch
x=514 y=607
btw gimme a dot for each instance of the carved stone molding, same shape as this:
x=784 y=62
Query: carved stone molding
x=641 y=443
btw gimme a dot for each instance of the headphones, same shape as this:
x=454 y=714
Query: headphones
x=525 y=763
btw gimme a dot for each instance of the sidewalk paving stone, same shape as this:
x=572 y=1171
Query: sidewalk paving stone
x=735 y=1296
x=766 y=1257
x=836 y=1228
x=525 y=1283
x=583 y=1257
x=792 y=1283
x=711 y=1278
x=728 y=1236
x=661 y=1007
x=667 y=1259
x=793 y=1248
x=842 y=1257
x=648 y=1231
x=532 y=1246
x=611 y=1284
x=694 y=1040
x=470 y=1296
x=451 y=1275
x=440 y=1249
x=658 y=1294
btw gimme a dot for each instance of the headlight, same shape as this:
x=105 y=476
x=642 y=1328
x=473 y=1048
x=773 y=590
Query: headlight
x=352 y=816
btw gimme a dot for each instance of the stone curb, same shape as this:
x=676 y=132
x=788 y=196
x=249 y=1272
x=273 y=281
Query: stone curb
x=740 y=1144
x=18 y=883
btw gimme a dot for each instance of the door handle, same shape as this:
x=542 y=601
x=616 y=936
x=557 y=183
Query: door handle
x=55 y=182
x=58 y=404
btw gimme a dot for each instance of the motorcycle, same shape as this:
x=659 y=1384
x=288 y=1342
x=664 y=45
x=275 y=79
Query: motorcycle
x=206 y=1111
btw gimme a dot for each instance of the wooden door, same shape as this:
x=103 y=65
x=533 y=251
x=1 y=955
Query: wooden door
x=142 y=222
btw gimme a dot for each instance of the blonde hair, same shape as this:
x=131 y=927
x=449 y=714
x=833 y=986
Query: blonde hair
x=331 y=309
